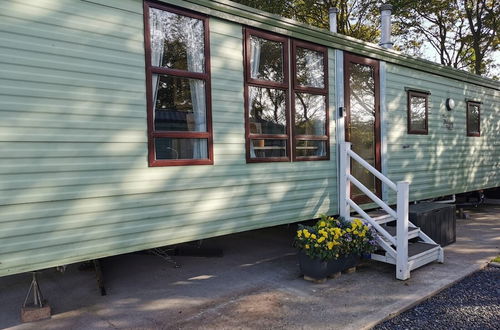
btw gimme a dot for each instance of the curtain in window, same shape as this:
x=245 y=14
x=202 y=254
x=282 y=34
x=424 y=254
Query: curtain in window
x=255 y=48
x=157 y=23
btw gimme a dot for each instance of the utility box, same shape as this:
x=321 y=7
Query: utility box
x=438 y=221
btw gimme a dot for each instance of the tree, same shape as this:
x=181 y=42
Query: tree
x=463 y=33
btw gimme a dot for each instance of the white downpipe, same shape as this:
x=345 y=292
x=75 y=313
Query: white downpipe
x=344 y=187
x=372 y=222
x=372 y=170
x=372 y=196
x=402 y=267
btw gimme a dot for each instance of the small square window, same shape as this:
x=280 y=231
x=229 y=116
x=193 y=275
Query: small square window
x=473 y=119
x=418 y=109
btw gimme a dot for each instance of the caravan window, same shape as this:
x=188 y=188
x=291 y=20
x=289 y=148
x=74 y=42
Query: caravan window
x=286 y=117
x=178 y=87
x=473 y=118
x=418 y=110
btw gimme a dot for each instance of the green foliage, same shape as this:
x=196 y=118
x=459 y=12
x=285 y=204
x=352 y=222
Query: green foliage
x=464 y=34
x=331 y=238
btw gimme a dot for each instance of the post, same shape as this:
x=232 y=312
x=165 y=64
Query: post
x=402 y=269
x=385 y=20
x=344 y=184
x=332 y=15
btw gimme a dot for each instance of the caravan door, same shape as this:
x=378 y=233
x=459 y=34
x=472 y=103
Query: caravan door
x=362 y=120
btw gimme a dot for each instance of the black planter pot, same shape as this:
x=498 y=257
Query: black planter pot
x=313 y=268
x=350 y=261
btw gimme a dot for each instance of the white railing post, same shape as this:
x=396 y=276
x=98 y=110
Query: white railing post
x=402 y=269
x=344 y=185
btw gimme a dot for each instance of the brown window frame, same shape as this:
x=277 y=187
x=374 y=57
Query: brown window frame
x=290 y=88
x=251 y=82
x=296 y=88
x=468 y=105
x=412 y=93
x=205 y=76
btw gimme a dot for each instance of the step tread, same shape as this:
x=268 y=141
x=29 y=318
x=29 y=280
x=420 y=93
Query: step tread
x=392 y=230
x=414 y=249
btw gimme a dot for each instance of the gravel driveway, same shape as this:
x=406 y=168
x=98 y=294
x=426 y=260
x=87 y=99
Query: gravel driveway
x=472 y=303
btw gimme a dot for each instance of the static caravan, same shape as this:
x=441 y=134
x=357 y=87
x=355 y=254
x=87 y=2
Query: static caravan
x=128 y=125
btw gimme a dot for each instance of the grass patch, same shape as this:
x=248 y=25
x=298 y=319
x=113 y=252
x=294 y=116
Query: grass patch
x=497 y=259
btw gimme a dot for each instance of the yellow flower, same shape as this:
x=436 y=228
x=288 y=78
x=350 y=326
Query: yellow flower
x=322 y=224
x=321 y=239
x=307 y=246
x=299 y=233
x=365 y=228
x=313 y=236
x=362 y=234
x=348 y=230
x=316 y=245
x=307 y=234
x=356 y=232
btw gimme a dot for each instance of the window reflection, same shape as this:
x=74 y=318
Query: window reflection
x=362 y=122
x=267 y=110
x=310 y=68
x=266 y=59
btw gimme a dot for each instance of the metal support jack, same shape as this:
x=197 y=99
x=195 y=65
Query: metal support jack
x=37 y=293
x=39 y=310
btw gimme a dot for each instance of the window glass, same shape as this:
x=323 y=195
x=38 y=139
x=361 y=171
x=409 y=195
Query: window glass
x=309 y=67
x=177 y=41
x=310 y=114
x=179 y=104
x=473 y=118
x=311 y=148
x=267 y=148
x=417 y=113
x=266 y=59
x=174 y=148
x=267 y=110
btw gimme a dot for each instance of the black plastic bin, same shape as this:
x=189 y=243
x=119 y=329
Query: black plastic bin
x=438 y=221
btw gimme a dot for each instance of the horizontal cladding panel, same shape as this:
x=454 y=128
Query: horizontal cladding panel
x=60 y=106
x=100 y=24
x=16 y=73
x=38 y=194
x=198 y=211
x=69 y=65
x=161 y=178
x=28 y=214
x=35 y=45
x=68 y=121
x=57 y=255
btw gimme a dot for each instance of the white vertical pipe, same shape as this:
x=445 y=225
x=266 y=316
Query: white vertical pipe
x=402 y=269
x=385 y=20
x=344 y=186
x=332 y=17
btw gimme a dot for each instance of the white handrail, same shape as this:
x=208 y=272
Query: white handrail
x=371 y=221
x=372 y=196
x=372 y=169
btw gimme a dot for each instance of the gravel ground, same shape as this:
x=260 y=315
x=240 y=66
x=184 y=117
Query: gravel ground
x=472 y=303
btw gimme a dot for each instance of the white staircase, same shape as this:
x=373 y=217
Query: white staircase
x=393 y=240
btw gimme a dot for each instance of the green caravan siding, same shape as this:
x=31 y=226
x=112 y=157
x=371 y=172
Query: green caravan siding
x=74 y=178
x=446 y=161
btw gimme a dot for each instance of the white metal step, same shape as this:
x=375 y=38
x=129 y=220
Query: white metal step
x=412 y=231
x=380 y=219
x=419 y=254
